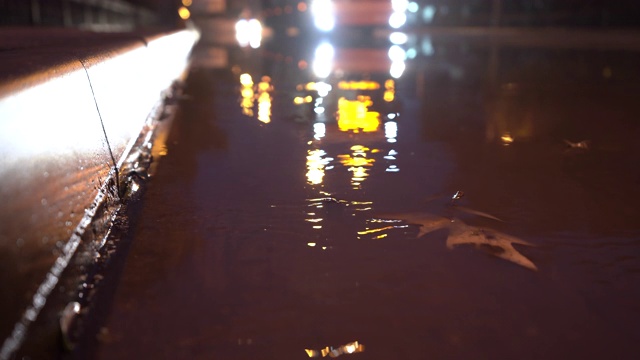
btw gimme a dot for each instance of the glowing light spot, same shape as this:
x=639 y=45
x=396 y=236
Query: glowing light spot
x=358 y=85
x=322 y=11
x=184 y=13
x=397 y=19
x=399 y=5
x=397 y=69
x=398 y=38
x=187 y=2
x=354 y=115
x=249 y=33
x=396 y=53
x=507 y=139
x=323 y=60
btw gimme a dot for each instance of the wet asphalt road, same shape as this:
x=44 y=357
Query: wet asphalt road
x=266 y=235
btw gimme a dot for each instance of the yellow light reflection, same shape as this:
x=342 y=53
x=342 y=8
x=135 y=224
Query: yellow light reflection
x=354 y=115
x=264 y=107
x=264 y=99
x=507 y=139
x=357 y=163
x=299 y=100
x=371 y=231
x=358 y=85
x=246 y=94
x=184 y=13
x=389 y=90
x=187 y=2
x=350 y=348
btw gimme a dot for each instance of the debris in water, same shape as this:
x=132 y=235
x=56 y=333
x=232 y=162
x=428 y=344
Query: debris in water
x=458 y=195
x=581 y=145
x=67 y=320
x=350 y=348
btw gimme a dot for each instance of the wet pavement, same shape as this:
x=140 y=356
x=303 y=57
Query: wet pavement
x=483 y=205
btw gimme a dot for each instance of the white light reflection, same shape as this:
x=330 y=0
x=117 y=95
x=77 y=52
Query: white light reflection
x=319 y=130
x=323 y=88
x=317 y=162
x=391 y=131
x=396 y=53
x=249 y=33
x=323 y=60
x=392 y=155
x=427 y=46
x=428 y=13
x=399 y=5
x=413 y=7
x=322 y=11
x=397 y=19
x=397 y=69
x=398 y=38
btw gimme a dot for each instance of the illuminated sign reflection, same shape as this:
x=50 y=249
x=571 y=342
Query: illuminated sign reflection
x=354 y=115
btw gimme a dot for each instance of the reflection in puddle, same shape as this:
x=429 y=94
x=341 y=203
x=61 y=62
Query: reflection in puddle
x=507 y=139
x=246 y=94
x=350 y=348
x=389 y=90
x=323 y=60
x=354 y=115
x=264 y=100
x=357 y=163
x=248 y=97
x=317 y=162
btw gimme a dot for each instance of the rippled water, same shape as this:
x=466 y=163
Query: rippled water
x=290 y=215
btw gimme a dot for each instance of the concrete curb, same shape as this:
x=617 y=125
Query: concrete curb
x=68 y=108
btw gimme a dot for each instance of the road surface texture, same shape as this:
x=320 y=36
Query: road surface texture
x=484 y=205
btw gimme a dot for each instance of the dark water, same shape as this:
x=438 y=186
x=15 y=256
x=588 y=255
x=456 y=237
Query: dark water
x=274 y=230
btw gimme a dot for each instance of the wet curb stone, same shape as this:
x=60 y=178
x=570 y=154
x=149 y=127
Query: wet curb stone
x=71 y=104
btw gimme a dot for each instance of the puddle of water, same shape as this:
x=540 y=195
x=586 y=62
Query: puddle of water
x=403 y=210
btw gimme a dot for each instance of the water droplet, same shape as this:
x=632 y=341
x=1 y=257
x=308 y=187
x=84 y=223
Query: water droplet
x=19 y=242
x=43 y=202
x=46 y=174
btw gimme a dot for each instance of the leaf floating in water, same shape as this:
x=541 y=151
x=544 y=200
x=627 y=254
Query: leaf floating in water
x=499 y=244
x=426 y=221
x=350 y=348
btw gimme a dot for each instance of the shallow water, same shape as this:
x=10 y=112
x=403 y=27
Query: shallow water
x=274 y=230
